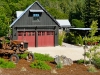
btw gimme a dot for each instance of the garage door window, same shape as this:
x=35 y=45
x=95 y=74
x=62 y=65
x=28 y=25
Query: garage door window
x=29 y=33
x=43 y=33
x=39 y=33
x=24 y=33
x=50 y=33
x=19 y=33
x=33 y=33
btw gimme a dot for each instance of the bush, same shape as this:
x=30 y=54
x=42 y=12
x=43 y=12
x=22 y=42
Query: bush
x=80 y=61
x=59 y=65
x=43 y=57
x=96 y=62
x=92 y=68
x=78 y=40
x=23 y=56
x=6 y=64
x=40 y=65
x=78 y=23
x=70 y=38
x=61 y=38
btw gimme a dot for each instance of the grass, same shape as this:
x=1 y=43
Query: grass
x=6 y=64
x=40 y=65
x=43 y=57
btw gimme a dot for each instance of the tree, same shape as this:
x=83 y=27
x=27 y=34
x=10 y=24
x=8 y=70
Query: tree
x=4 y=28
x=92 y=39
x=78 y=23
x=91 y=11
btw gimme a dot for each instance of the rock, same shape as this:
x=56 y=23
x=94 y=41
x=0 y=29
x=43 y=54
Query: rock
x=54 y=71
x=23 y=69
x=63 y=60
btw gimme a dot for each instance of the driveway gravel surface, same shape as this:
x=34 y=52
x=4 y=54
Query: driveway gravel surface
x=70 y=51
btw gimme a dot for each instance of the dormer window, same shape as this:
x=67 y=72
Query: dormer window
x=36 y=16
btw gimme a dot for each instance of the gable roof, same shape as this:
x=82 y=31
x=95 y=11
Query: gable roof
x=29 y=8
x=64 y=22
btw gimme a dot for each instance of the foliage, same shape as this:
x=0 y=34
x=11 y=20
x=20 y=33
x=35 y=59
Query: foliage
x=96 y=61
x=78 y=40
x=80 y=61
x=92 y=38
x=40 y=65
x=78 y=23
x=74 y=39
x=43 y=57
x=59 y=65
x=23 y=56
x=91 y=11
x=92 y=68
x=6 y=64
x=61 y=38
x=70 y=37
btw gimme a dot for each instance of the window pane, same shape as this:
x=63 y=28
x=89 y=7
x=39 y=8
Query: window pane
x=33 y=33
x=29 y=33
x=19 y=33
x=34 y=15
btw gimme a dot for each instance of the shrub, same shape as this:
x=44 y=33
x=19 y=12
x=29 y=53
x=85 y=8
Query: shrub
x=43 y=57
x=61 y=38
x=96 y=62
x=80 y=61
x=6 y=64
x=70 y=38
x=59 y=65
x=78 y=40
x=78 y=23
x=22 y=56
x=92 y=69
x=40 y=65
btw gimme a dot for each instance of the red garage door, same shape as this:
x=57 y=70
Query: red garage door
x=28 y=36
x=45 y=38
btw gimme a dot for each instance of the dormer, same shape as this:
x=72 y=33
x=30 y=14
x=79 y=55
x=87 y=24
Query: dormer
x=36 y=14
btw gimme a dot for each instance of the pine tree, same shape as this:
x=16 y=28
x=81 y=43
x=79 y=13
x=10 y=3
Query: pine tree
x=91 y=11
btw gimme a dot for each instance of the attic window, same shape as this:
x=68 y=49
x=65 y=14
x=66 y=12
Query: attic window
x=36 y=16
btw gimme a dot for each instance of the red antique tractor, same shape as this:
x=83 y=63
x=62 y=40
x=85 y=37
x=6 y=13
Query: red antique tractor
x=11 y=49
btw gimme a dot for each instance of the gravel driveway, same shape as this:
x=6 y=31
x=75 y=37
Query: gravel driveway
x=70 y=51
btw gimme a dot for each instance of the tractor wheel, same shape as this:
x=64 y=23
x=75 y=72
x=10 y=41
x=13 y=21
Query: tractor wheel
x=30 y=57
x=14 y=58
